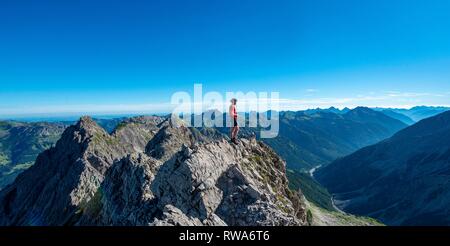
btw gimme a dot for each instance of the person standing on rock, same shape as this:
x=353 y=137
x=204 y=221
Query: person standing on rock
x=233 y=115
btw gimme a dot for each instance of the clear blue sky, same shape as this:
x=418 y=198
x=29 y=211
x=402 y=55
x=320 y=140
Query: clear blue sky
x=91 y=55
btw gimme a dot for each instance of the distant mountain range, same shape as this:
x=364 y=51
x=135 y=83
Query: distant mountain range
x=421 y=112
x=407 y=116
x=307 y=139
x=329 y=110
x=414 y=114
x=403 y=180
x=399 y=116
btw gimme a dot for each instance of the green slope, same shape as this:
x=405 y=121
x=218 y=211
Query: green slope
x=310 y=188
x=322 y=217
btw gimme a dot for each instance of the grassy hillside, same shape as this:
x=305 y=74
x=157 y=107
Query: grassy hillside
x=310 y=188
x=322 y=217
x=320 y=210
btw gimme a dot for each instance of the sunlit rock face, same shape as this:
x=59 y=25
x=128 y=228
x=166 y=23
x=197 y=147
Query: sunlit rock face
x=148 y=172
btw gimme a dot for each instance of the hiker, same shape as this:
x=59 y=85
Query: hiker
x=233 y=115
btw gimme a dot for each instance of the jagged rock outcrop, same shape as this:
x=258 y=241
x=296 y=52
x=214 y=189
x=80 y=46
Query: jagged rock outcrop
x=148 y=172
x=136 y=132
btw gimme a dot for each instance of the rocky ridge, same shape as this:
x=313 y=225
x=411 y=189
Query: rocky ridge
x=148 y=172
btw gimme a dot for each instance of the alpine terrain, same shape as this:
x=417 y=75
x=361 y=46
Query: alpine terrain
x=21 y=142
x=308 y=139
x=403 y=180
x=147 y=172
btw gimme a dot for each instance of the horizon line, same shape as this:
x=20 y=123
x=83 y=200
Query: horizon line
x=119 y=114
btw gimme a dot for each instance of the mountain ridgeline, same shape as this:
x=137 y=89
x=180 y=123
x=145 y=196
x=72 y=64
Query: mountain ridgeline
x=147 y=172
x=421 y=112
x=113 y=171
x=403 y=180
x=313 y=138
x=307 y=140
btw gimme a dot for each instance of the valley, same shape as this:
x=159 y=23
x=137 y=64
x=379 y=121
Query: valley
x=308 y=141
x=402 y=180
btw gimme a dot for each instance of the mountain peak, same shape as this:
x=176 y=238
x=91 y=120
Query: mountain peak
x=86 y=122
x=364 y=114
x=151 y=174
x=214 y=183
x=85 y=128
x=362 y=109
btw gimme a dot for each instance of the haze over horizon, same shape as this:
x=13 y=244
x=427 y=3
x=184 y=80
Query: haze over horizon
x=61 y=58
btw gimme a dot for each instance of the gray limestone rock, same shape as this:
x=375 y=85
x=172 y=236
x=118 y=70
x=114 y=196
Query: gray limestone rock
x=149 y=172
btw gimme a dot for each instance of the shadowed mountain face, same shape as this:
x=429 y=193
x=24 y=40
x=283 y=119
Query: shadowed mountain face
x=148 y=172
x=308 y=140
x=403 y=180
